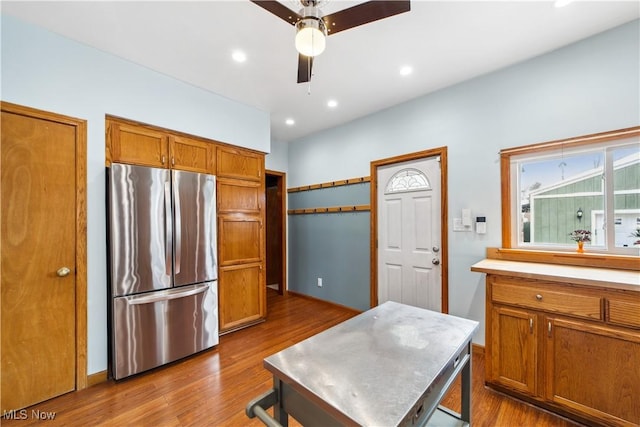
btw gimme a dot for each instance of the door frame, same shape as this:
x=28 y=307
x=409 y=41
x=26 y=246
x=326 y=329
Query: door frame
x=444 y=258
x=81 y=228
x=282 y=190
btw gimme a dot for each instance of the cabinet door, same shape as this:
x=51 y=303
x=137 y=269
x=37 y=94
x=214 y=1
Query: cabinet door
x=137 y=145
x=235 y=196
x=192 y=155
x=242 y=296
x=240 y=240
x=241 y=164
x=593 y=369
x=514 y=339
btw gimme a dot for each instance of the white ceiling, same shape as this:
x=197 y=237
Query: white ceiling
x=445 y=42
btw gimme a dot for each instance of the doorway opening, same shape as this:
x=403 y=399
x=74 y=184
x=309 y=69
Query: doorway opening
x=275 y=223
x=436 y=253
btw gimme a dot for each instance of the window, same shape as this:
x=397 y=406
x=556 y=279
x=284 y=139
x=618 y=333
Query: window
x=407 y=180
x=589 y=183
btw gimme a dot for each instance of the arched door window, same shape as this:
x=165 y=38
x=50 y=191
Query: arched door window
x=407 y=180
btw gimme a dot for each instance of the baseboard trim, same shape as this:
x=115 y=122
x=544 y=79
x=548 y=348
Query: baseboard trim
x=97 y=378
x=296 y=294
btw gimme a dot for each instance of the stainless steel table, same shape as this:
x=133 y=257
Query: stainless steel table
x=389 y=366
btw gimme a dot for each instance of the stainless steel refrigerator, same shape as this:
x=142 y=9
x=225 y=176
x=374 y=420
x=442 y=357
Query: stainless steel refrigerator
x=162 y=266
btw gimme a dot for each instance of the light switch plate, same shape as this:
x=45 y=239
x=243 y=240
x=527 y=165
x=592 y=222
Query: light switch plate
x=457 y=225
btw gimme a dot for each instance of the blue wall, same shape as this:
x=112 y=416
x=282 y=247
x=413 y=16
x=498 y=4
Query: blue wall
x=339 y=240
x=43 y=70
x=587 y=87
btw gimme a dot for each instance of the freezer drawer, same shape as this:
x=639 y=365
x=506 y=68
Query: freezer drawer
x=155 y=328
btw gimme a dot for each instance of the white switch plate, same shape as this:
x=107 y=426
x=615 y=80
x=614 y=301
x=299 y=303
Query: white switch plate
x=457 y=225
x=319 y=282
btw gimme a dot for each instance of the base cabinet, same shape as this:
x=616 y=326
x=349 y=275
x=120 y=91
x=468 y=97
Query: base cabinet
x=593 y=369
x=514 y=345
x=573 y=349
x=242 y=289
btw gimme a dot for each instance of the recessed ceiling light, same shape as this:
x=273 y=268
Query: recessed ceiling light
x=332 y=103
x=239 y=56
x=406 y=70
x=290 y=122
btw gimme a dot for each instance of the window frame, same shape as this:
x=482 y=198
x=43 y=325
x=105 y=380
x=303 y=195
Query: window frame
x=509 y=222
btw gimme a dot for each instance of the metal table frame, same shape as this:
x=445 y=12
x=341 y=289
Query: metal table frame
x=287 y=397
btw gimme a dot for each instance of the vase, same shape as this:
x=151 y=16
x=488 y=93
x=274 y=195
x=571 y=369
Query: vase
x=580 y=247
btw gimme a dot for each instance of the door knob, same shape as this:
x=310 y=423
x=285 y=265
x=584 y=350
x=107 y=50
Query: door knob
x=435 y=261
x=63 y=271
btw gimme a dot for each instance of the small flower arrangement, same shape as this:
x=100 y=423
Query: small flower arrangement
x=580 y=235
x=636 y=234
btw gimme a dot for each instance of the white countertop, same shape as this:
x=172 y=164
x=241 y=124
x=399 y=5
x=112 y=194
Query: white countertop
x=604 y=277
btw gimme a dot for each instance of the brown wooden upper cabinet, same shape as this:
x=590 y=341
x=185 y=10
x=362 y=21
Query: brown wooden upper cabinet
x=240 y=206
x=139 y=145
x=192 y=155
x=240 y=164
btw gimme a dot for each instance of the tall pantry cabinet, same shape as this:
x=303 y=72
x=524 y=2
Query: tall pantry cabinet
x=241 y=233
x=240 y=205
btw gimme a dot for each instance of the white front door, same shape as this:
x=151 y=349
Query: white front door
x=409 y=221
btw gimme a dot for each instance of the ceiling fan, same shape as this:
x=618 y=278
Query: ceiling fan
x=312 y=27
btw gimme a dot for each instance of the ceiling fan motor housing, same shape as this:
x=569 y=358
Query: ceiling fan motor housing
x=311 y=32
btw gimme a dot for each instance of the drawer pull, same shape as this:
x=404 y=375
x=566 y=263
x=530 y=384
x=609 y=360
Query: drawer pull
x=539 y=297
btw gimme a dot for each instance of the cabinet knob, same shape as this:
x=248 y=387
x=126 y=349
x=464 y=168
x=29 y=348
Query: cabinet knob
x=539 y=297
x=63 y=271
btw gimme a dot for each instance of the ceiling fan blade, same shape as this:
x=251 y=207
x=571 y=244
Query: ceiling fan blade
x=364 y=13
x=304 y=68
x=279 y=10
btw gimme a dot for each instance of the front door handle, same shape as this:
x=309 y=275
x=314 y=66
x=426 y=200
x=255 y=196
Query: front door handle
x=435 y=261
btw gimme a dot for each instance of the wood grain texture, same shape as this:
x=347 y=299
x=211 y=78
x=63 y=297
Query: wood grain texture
x=240 y=164
x=330 y=184
x=43 y=208
x=213 y=387
x=332 y=209
x=622 y=262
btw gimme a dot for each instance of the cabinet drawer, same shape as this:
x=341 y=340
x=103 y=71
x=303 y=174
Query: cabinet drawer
x=624 y=313
x=542 y=298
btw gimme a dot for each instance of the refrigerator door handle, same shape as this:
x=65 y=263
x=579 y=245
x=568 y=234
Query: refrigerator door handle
x=166 y=295
x=168 y=237
x=177 y=225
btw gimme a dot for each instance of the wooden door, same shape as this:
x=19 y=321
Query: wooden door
x=43 y=283
x=593 y=369
x=275 y=230
x=514 y=346
x=409 y=233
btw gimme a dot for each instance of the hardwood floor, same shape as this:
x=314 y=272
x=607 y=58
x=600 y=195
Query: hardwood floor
x=213 y=387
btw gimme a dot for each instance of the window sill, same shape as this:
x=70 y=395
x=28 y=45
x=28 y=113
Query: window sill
x=623 y=262
x=618 y=279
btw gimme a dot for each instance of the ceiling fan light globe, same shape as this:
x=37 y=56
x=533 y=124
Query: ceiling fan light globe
x=310 y=37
